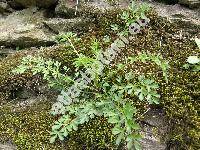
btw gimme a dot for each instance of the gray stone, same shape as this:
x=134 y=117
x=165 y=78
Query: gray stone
x=153 y=130
x=190 y=3
x=187 y=19
x=7 y=147
x=25 y=93
x=151 y=141
x=66 y=8
x=60 y=25
x=24 y=29
x=5 y=8
x=31 y=3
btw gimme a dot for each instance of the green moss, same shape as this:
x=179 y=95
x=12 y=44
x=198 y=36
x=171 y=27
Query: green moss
x=180 y=101
x=29 y=128
x=9 y=81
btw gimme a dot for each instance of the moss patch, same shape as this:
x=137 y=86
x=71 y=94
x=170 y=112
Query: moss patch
x=29 y=129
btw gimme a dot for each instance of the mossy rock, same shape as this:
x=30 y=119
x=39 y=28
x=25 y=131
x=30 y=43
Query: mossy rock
x=180 y=95
x=30 y=127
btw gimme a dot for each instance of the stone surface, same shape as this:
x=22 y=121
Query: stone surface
x=31 y=3
x=190 y=3
x=187 y=19
x=66 y=8
x=60 y=25
x=5 y=8
x=24 y=29
x=150 y=141
x=7 y=147
x=153 y=130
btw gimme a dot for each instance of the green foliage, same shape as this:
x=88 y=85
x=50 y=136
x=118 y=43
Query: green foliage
x=197 y=42
x=193 y=63
x=111 y=99
x=130 y=16
x=157 y=59
x=109 y=95
x=64 y=38
x=50 y=70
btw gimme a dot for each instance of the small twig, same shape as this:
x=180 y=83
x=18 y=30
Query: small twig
x=77 y=2
x=143 y=114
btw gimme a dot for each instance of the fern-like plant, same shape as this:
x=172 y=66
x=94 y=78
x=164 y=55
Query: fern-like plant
x=109 y=94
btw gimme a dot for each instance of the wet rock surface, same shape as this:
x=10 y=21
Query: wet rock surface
x=66 y=8
x=31 y=3
x=187 y=19
x=5 y=8
x=24 y=29
x=60 y=25
x=191 y=3
x=153 y=129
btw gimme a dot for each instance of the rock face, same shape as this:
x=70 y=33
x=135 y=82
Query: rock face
x=66 y=8
x=190 y=3
x=60 y=25
x=5 y=8
x=24 y=29
x=7 y=147
x=29 y=3
x=187 y=19
x=154 y=120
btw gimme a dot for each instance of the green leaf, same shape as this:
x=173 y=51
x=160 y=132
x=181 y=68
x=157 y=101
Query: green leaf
x=69 y=128
x=53 y=138
x=114 y=27
x=196 y=68
x=129 y=76
x=148 y=97
x=132 y=59
x=186 y=66
x=130 y=91
x=117 y=129
x=134 y=136
x=135 y=126
x=131 y=124
x=60 y=136
x=129 y=110
x=130 y=145
x=113 y=119
x=83 y=119
x=137 y=145
x=193 y=60
x=56 y=127
x=119 y=138
x=75 y=127
x=154 y=86
x=141 y=96
x=154 y=100
x=125 y=15
x=65 y=133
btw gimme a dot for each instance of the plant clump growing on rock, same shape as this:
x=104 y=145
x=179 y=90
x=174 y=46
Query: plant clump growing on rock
x=179 y=97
